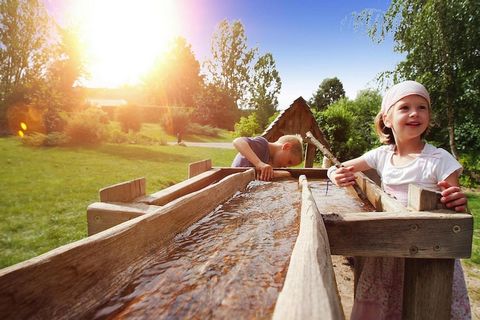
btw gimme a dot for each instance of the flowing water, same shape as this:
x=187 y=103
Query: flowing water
x=230 y=264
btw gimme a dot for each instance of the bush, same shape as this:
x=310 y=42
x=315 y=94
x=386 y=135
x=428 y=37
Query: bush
x=86 y=127
x=470 y=177
x=247 y=126
x=53 y=139
x=198 y=129
x=129 y=118
x=176 y=120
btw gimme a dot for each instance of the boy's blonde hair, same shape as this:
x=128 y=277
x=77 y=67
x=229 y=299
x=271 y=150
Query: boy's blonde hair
x=296 y=141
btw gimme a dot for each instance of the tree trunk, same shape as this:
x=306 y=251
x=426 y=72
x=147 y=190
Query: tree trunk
x=451 y=127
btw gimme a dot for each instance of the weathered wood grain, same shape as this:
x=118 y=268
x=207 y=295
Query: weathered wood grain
x=72 y=281
x=310 y=173
x=400 y=234
x=198 y=167
x=123 y=192
x=310 y=290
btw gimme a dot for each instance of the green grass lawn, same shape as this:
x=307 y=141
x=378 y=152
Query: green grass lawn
x=474 y=205
x=44 y=192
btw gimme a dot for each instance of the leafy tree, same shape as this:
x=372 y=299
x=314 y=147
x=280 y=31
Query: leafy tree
x=329 y=91
x=175 y=78
x=215 y=107
x=229 y=68
x=442 y=45
x=265 y=87
x=247 y=126
x=24 y=48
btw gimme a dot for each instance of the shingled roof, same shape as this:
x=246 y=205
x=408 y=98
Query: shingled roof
x=297 y=119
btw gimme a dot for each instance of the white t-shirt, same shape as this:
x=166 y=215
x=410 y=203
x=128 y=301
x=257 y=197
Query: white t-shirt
x=431 y=166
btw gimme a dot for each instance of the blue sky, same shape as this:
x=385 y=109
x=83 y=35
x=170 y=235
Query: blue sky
x=310 y=40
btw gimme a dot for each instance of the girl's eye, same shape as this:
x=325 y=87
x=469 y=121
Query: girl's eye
x=423 y=107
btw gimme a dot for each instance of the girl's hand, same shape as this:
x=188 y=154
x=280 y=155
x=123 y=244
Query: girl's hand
x=264 y=171
x=344 y=176
x=453 y=197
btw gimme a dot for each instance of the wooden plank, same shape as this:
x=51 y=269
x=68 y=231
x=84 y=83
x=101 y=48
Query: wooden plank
x=185 y=187
x=312 y=173
x=102 y=216
x=427 y=290
x=377 y=197
x=73 y=280
x=422 y=199
x=309 y=155
x=310 y=290
x=198 y=167
x=123 y=192
x=400 y=234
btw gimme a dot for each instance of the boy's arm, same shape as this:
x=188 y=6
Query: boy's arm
x=264 y=170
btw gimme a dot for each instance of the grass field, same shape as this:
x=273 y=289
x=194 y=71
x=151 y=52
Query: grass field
x=44 y=192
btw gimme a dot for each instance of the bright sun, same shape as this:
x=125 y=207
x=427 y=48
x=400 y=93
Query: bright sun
x=123 y=38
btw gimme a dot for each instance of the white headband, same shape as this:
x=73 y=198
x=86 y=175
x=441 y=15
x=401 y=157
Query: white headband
x=401 y=90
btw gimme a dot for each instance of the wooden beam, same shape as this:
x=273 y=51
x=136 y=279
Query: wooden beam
x=427 y=290
x=123 y=192
x=400 y=234
x=102 y=216
x=377 y=197
x=311 y=173
x=309 y=155
x=198 y=167
x=185 y=187
x=74 y=280
x=310 y=290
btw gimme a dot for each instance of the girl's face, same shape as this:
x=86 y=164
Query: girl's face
x=409 y=117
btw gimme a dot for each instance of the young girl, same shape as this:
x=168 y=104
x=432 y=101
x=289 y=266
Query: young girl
x=401 y=124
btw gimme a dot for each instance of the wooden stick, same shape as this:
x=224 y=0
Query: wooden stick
x=310 y=138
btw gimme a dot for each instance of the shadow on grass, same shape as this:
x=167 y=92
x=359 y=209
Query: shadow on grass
x=131 y=152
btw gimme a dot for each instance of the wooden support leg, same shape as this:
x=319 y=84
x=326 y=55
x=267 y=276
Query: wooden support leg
x=310 y=155
x=427 y=292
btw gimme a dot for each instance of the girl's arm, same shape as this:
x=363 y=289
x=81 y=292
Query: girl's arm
x=452 y=195
x=345 y=176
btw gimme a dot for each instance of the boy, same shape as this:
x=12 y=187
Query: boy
x=257 y=152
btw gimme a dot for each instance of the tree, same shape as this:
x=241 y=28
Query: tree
x=329 y=91
x=24 y=48
x=215 y=107
x=175 y=78
x=442 y=45
x=265 y=86
x=229 y=68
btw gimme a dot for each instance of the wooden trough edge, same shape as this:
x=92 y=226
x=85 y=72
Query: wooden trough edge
x=310 y=289
x=74 y=280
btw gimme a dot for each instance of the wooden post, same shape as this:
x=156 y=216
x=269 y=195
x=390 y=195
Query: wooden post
x=309 y=155
x=427 y=291
x=310 y=290
x=198 y=167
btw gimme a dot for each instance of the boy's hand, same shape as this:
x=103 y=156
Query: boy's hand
x=453 y=197
x=344 y=176
x=264 y=171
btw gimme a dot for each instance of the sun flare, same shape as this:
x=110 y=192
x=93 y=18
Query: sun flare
x=123 y=38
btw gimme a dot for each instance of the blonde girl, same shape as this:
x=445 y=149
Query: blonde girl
x=406 y=158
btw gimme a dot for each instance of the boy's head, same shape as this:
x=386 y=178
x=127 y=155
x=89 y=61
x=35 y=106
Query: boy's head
x=290 y=152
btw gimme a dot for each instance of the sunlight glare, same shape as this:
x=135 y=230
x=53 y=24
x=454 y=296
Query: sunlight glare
x=124 y=37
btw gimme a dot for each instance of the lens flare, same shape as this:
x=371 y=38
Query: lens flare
x=20 y=133
x=23 y=125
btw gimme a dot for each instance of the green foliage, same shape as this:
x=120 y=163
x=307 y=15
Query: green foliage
x=197 y=129
x=215 y=107
x=474 y=206
x=273 y=117
x=441 y=41
x=229 y=68
x=53 y=139
x=87 y=127
x=348 y=125
x=247 y=126
x=176 y=120
x=129 y=118
x=329 y=91
x=175 y=78
x=470 y=177
x=265 y=86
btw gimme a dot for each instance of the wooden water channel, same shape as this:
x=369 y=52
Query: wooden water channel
x=222 y=245
x=134 y=236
